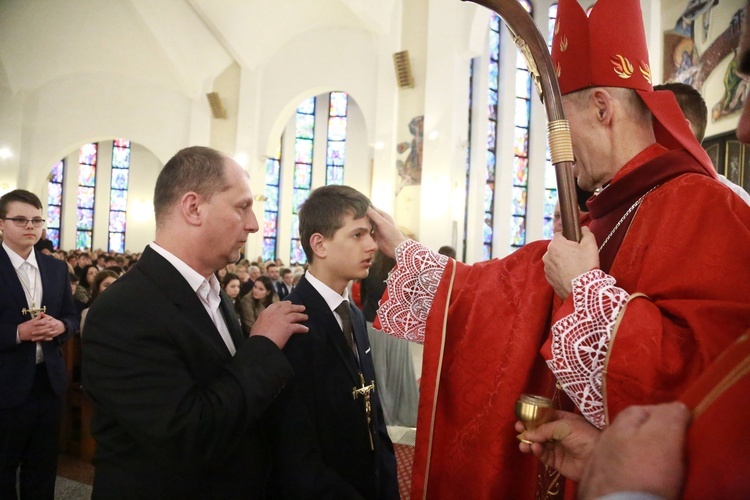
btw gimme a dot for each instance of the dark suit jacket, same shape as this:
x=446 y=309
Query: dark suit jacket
x=176 y=415
x=323 y=447
x=282 y=290
x=18 y=361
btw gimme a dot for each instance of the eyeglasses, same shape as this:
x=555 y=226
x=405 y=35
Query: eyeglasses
x=23 y=221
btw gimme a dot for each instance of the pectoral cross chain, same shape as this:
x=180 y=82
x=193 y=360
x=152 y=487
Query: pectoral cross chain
x=365 y=392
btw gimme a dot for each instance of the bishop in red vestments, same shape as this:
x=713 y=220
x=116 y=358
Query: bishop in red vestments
x=657 y=288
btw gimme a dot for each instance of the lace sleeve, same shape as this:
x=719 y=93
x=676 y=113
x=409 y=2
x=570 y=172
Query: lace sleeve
x=410 y=291
x=580 y=341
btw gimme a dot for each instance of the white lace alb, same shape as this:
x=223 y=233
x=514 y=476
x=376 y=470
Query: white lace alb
x=580 y=341
x=411 y=289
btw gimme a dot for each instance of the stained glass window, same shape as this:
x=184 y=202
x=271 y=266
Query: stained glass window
x=55 y=202
x=468 y=156
x=489 y=188
x=336 y=148
x=551 y=18
x=522 y=113
x=271 y=207
x=86 y=196
x=550 y=181
x=118 y=194
x=302 y=183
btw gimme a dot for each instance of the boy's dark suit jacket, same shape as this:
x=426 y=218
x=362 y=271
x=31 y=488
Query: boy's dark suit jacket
x=282 y=290
x=323 y=446
x=18 y=361
x=176 y=415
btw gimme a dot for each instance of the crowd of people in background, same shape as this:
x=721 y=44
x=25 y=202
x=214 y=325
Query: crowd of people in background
x=251 y=285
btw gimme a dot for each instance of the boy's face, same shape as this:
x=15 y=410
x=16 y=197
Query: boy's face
x=288 y=279
x=350 y=251
x=21 y=238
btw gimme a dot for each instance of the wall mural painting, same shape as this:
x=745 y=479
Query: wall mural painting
x=683 y=62
x=410 y=169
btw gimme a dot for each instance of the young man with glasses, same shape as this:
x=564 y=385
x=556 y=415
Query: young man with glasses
x=36 y=316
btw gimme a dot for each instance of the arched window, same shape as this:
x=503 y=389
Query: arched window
x=271 y=206
x=55 y=202
x=489 y=187
x=336 y=147
x=86 y=196
x=303 y=158
x=468 y=156
x=118 y=194
x=522 y=117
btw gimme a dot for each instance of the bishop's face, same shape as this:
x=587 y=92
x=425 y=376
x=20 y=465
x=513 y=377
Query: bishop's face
x=592 y=167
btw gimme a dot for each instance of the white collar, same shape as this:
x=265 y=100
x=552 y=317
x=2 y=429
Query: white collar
x=17 y=260
x=193 y=277
x=332 y=298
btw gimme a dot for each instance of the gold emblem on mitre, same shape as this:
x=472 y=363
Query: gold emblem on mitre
x=557 y=26
x=622 y=66
x=646 y=71
x=557 y=69
x=563 y=43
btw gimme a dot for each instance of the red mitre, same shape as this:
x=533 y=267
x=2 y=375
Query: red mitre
x=608 y=49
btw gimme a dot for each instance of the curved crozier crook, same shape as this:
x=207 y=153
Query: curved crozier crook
x=532 y=45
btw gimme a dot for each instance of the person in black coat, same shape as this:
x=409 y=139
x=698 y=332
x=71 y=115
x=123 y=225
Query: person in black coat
x=179 y=392
x=331 y=439
x=36 y=317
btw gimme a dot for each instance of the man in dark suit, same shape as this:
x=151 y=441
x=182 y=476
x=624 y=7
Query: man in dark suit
x=331 y=437
x=284 y=285
x=178 y=390
x=36 y=317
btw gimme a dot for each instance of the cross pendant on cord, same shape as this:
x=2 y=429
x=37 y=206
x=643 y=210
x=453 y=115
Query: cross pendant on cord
x=365 y=391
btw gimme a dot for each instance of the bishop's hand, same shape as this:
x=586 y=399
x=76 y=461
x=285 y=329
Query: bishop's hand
x=387 y=235
x=566 y=260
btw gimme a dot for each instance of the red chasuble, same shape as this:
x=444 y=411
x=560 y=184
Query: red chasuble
x=683 y=258
x=718 y=464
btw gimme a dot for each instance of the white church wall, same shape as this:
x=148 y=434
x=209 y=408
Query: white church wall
x=94 y=107
x=315 y=63
x=383 y=132
x=445 y=126
x=411 y=105
x=144 y=169
x=10 y=135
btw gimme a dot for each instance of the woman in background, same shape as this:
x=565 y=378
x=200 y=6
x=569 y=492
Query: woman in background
x=85 y=284
x=231 y=285
x=102 y=280
x=262 y=295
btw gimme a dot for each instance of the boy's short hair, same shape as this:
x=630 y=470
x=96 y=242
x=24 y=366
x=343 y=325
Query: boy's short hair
x=20 y=195
x=284 y=271
x=324 y=210
x=692 y=104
